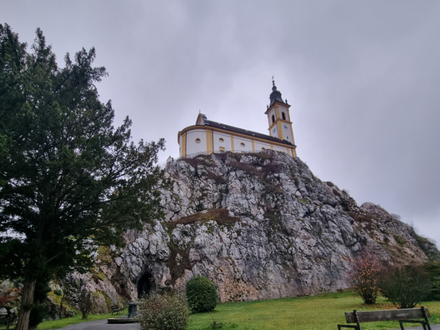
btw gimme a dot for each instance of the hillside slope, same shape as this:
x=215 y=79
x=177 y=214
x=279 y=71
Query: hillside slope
x=259 y=226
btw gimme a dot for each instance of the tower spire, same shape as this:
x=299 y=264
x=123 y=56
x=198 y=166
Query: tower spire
x=276 y=94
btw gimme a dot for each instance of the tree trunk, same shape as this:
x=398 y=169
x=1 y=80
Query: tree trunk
x=27 y=300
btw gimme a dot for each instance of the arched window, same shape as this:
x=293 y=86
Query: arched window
x=283 y=115
x=222 y=150
x=273 y=119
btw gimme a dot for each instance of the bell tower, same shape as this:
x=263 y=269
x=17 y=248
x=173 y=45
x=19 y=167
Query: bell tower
x=280 y=125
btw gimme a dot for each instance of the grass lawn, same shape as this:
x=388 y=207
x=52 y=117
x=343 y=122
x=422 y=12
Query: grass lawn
x=321 y=312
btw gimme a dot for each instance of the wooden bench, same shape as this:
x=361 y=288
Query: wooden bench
x=407 y=315
x=116 y=309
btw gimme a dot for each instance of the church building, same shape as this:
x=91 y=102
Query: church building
x=207 y=137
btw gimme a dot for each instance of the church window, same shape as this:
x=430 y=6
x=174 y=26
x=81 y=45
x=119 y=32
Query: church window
x=198 y=140
x=221 y=140
x=263 y=148
x=222 y=150
x=283 y=115
x=273 y=119
x=242 y=144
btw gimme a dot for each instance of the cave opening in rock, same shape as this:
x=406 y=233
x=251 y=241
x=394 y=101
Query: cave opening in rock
x=145 y=284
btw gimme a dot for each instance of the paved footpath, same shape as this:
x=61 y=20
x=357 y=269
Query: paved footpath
x=101 y=325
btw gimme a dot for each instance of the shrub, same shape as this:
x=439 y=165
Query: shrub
x=163 y=312
x=38 y=313
x=365 y=275
x=58 y=292
x=201 y=294
x=433 y=269
x=405 y=286
x=85 y=303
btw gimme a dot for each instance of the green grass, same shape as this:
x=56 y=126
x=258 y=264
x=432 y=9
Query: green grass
x=321 y=312
x=305 y=313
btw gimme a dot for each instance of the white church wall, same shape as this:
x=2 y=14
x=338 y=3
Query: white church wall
x=196 y=141
x=222 y=140
x=242 y=144
x=261 y=145
x=282 y=149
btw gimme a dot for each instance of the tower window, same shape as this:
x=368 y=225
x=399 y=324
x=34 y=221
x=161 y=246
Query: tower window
x=222 y=150
x=273 y=119
x=221 y=140
x=242 y=144
x=283 y=115
x=198 y=140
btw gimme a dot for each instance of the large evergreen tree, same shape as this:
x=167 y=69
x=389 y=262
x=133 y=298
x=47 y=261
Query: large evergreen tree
x=69 y=180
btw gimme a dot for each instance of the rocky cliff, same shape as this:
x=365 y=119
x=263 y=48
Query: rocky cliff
x=258 y=225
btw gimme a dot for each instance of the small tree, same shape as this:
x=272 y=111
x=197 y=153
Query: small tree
x=85 y=303
x=405 y=286
x=201 y=294
x=364 y=276
x=163 y=312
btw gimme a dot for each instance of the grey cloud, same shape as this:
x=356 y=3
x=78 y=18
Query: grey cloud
x=362 y=79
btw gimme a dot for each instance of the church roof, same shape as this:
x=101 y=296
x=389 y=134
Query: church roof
x=251 y=134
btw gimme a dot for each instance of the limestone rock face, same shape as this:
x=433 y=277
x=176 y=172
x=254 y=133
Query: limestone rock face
x=259 y=226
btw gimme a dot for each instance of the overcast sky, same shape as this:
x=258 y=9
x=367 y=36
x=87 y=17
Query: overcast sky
x=362 y=78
